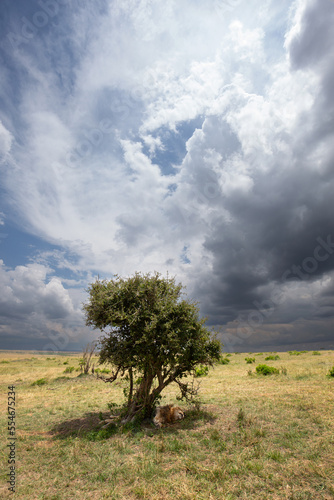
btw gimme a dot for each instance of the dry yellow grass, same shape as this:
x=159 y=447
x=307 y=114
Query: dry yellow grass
x=255 y=437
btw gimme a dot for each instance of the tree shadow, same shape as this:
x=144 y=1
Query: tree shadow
x=79 y=427
x=89 y=426
x=195 y=417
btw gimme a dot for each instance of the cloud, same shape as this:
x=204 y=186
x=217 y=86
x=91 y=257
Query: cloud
x=25 y=291
x=35 y=307
x=310 y=40
x=5 y=142
x=152 y=136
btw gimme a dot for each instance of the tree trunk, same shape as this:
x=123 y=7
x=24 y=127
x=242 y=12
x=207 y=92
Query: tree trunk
x=142 y=401
x=131 y=387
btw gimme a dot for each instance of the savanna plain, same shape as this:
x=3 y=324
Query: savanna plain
x=254 y=436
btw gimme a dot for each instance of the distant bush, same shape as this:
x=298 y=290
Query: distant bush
x=259 y=354
x=69 y=369
x=104 y=370
x=40 y=381
x=316 y=353
x=266 y=370
x=250 y=360
x=331 y=372
x=294 y=353
x=201 y=371
x=65 y=363
x=4 y=361
x=228 y=355
x=273 y=358
x=223 y=361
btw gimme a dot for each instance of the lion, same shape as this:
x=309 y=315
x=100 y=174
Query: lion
x=168 y=414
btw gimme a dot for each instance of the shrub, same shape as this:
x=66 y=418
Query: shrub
x=273 y=358
x=65 y=363
x=316 y=353
x=104 y=370
x=69 y=369
x=331 y=372
x=223 y=361
x=294 y=353
x=259 y=354
x=201 y=371
x=250 y=360
x=266 y=370
x=40 y=381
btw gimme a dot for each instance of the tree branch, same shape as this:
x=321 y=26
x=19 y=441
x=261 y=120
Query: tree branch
x=113 y=376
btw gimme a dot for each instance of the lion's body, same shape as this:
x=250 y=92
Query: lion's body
x=167 y=415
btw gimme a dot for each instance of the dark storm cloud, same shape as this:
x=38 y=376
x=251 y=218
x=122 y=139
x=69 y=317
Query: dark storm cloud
x=313 y=44
x=269 y=257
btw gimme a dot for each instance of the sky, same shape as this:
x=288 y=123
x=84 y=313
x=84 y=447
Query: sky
x=194 y=138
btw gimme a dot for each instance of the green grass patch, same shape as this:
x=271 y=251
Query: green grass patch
x=40 y=381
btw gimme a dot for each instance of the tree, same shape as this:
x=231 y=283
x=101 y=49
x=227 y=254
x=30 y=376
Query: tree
x=151 y=335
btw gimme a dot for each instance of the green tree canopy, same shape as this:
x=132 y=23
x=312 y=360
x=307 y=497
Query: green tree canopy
x=150 y=333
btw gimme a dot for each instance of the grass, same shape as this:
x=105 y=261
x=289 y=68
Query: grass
x=253 y=437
